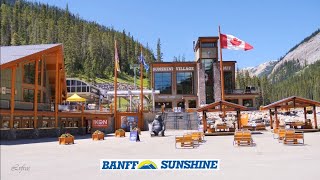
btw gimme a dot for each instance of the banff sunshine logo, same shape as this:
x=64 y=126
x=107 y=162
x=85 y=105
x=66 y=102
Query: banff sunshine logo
x=159 y=164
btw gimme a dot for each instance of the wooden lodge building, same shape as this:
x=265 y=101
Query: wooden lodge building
x=33 y=85
x=194 y=84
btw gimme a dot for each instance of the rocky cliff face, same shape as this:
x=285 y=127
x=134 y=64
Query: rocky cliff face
x=263 y=69
x=306 y=53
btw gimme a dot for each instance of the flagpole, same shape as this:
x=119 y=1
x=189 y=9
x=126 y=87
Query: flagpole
x=141 y=89
x=221 y=75
x=115 y=86
x=221 y=69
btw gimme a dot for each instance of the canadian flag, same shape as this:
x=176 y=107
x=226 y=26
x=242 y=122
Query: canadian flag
x=231 y=42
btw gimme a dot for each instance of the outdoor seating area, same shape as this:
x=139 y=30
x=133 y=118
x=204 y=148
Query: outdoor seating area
x=223 y=123
x=285 y=113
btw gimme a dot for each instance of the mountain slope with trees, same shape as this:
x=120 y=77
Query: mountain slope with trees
x=88 y=46
x=292 y=77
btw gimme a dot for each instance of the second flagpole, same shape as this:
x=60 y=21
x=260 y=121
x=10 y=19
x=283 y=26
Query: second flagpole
x=221 y=69
x=141 y=90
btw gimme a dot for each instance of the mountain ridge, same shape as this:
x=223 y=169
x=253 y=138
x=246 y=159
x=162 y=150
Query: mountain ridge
x=305 y=53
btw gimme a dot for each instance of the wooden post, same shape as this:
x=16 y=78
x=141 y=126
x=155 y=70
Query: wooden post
x=56 y=91
x=239 y=119
x=82 y=118
x=204 y=121
x=271 y=122
x=42 y=79
x=35 y=99
x=221 y=69
x=116 y=58
x=315 y=117
x=141 y=92
x=276 y=116
x=305 y=114
x=13 y=82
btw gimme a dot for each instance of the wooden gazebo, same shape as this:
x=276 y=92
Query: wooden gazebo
x=292 y=102
x=221 y=106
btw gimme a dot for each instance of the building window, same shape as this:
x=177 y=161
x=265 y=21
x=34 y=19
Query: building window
x=45 y=99
x=28 y=95
x=192 y=104
x=185 y=83
x=180 y=104
x=228 y=81
x=39 y=72
x=44 y=74
x=248 y=102
x=167 y=104
x=39 y=97
x=235 y=101
x=5 y=121
x=28 y=75
x=163 y=83
x=207 y=64
x=208 y=45
x=27 y=122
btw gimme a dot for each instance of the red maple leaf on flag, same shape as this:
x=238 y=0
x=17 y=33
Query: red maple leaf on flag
x=235 y=42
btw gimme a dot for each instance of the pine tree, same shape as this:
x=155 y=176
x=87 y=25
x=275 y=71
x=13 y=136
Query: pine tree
x=159 y=53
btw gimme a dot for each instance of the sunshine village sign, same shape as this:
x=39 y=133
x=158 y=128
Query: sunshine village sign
x=171 y=69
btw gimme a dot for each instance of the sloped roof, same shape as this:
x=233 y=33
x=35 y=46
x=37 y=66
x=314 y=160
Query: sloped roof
x=11 y=53
x=292 y=101
x=220 y=104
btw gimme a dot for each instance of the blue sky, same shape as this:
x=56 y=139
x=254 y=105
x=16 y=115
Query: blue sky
x=272 y=27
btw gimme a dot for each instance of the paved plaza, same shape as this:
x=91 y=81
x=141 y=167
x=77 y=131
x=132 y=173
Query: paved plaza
x=46 y=159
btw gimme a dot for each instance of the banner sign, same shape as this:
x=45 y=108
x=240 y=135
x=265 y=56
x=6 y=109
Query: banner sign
x=99 y=123
x=159 y=164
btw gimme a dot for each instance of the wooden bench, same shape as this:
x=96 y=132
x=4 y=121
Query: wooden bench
x=242 y=138
x=185 y=141
x=281 y=134
x=292 y=137
x=261 y=126
x=221 y=127
x=251 y=128
x=278 y=132
x=197 y=136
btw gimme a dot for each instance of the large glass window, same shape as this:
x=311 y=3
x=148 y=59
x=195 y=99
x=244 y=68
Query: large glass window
x=79 y=86
x=39 y=72
x=28 y=95
x=192 y=103
x=228 y=81
x=207 y=64
x=167 y=104
x=28 y=75
x=162 y=82
x=248 y=102
x=185 y=83
x=235 y=101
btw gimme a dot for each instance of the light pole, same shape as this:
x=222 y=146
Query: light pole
x=134 y=67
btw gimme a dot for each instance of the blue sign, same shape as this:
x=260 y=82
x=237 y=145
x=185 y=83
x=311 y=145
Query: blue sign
x=160 y=164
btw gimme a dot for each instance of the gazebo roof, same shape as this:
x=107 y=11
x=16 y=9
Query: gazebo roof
x=76 y=98
x=222 y=106
x=292 y=102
